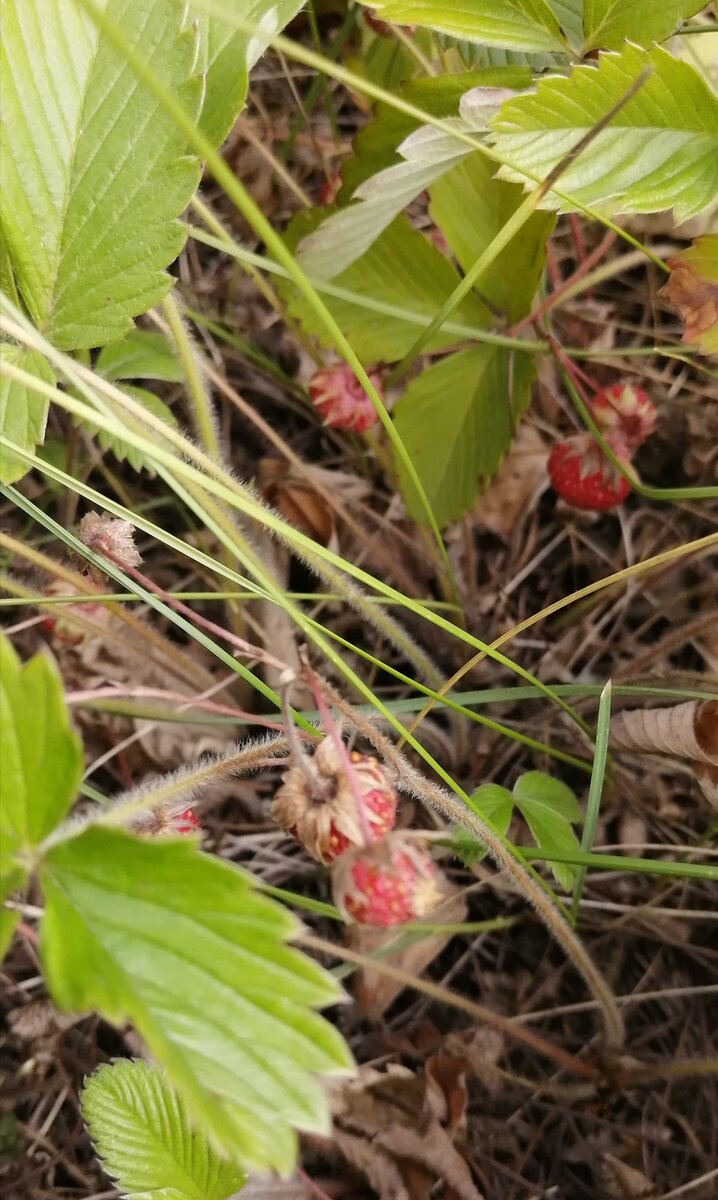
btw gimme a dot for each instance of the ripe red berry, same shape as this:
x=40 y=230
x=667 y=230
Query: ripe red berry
x=583 y=476
x=386 y=884
x=63 y=632
x=317 y=803
x=329 y=189
x=340 y=399
x=626 y=411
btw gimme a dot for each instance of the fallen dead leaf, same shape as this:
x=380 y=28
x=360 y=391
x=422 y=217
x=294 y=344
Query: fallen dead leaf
x=520 y=475
x=624 y=1183
x=692 y=291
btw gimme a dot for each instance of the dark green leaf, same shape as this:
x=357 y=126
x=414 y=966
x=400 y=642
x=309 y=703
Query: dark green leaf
x=549 y=808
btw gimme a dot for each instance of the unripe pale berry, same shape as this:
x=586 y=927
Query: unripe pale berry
x=626 y=411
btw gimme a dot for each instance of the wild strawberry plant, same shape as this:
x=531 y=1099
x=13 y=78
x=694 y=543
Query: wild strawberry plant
x=417 y=283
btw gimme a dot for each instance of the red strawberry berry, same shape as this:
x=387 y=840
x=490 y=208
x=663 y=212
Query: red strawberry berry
x=166 y=822
x=583 y=476
x=626 y=411
x=386 y=884
x=329 y=189
x=317 y=803
x=340 y=399
x=63 y=632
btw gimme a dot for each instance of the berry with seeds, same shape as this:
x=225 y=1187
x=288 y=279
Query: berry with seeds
x=386 y=884
x=625 y=411
x=340 y=399
x=167 y=822
x=584 y=477
x=317 y=803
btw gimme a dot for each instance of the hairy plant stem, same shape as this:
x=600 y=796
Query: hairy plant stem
x=524 y=878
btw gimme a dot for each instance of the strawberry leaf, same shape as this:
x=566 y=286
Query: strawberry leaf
x=23 y=412
x=142 y=1132
x=180 y=944
x=140 y=355
x=550 y=809
x=660 y=150
x=515 y=24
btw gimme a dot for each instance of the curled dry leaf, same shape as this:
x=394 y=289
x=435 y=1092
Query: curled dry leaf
x=688 y=730
x=692 y=291
x=399 y=1129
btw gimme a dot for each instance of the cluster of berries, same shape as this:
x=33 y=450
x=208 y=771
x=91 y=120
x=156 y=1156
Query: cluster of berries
x=580 y=472
x=379 y=878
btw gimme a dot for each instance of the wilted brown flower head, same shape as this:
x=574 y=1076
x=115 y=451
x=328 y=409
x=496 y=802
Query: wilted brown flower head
x=112 y=538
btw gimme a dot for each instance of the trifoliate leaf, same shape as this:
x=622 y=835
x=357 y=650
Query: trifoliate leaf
x=407 y=280
x=457 y=420
x=470 y=207
x=142 y=1132
x=95 y=172
x=180 y=944
x=660 y=150
x=40 y=752
x=23 y=412
x=549 y=808
x=692 y=291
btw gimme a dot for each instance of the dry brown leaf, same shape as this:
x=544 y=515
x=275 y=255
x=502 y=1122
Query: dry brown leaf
x=521 y=472
x=624 y=1183
x=692 y=291
x=374 y=992
x=688 y=730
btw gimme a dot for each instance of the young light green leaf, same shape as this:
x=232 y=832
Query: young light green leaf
x=95 y=172
x=23 y=412
x=228 y=55
x=141 y=1130
x=179 y=943
x=490 y=801
x=471 y=206
x=515 y=24
x=121 y=449
x=40 y=752
x=607 y=24
x=660 y=150
x=549 y=808
x=401 y=269
x=457 y=420
x=140 y=355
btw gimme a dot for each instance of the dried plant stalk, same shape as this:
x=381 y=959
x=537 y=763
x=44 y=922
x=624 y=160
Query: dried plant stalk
x=688 y=730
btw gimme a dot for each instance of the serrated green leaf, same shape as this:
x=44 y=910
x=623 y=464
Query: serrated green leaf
x=40 y=752
x=375 y=146
x=660 y=150
x=228 y=55
x=607 y=24
x=121 y=449
x=140 y=355
x=95 y=172
x=471 y=207
x=23 y=412
x=515 y=24
x=549 y=807
x=402 y=268
x=494 y=802
x=180 y=944
x=456 y=420
x=142 y=1132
